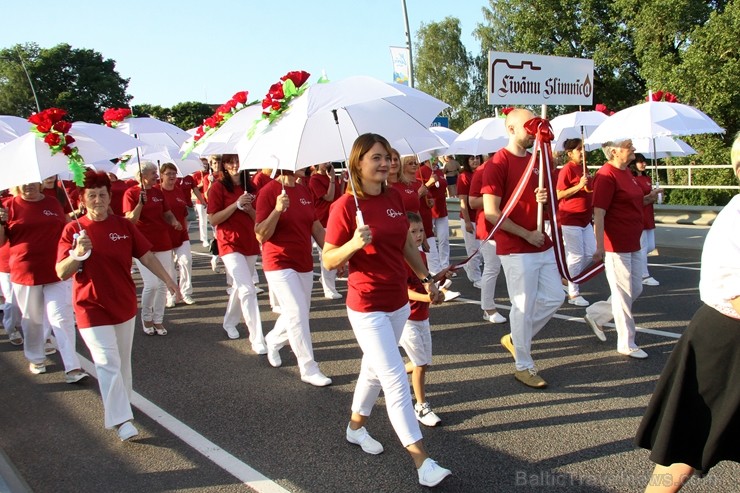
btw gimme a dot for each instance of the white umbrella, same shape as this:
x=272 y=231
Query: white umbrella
x=654 y=119
x=12 y=127
x=224 y=140
x=322 y=124
x=98 y=143
x=153 y=132
x=159 y=156
x=664 y=147
x=444 y=133
x=424 y=107
x=576 y=125
x=484 y=136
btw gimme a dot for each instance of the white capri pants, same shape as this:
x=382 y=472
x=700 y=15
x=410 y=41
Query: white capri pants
x=293 y=292
x=201 y=212
x=416 y=340
x=53 y=300
x=154 y=293
x=625 y=285
x=580 y=245
x=647 y=245
x=472 y=268
x=183 y=265
x=491 y=269
x=110 y=348
x=535 y=291
x=11 y=312
x=243 y=298
x=328 y=277
x=442 y=235
x=378 y=334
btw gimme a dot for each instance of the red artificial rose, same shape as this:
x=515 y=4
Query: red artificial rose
x=266 y=103
x=66 y=150
x=52 y=139
x=44 y=127
x=276 y=91
x=123 y=113
x=231 y=103
x=298 y=77
x=209 y=122
x=55 y=114
x=68 y=139
x=276 y=105
x=218 y=118
x=670 y=98
x=37 y=118
x=601 y=108
x=657 y=95
x=62 y=126
x=224 y=108
x=508 y=110
x=241 y=97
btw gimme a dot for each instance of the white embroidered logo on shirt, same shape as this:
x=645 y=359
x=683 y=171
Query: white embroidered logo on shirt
x=50 y=213
x=116 y=236
x=156 y=199
x=393 y=213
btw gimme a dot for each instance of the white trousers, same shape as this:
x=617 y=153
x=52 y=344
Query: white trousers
x=53 y=301
x=243 y=298
x=491 y=269
x=201 y=212
x=625 y=284
x=110 y=349
x=11 y=312
x=473 y=267
x=154 y=293
x=293 y=292
x=580 y=245
x=378 y=334
x=182 y=265
x=647 y=245
x=433 y=256
x=328 y=277
x=535 y=291
x=442 y=237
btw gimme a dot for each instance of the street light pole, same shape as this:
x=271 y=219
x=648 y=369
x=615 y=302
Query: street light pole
x=30 y=82
x=408 y=43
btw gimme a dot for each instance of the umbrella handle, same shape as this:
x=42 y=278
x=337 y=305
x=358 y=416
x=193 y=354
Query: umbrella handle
x=359 y=219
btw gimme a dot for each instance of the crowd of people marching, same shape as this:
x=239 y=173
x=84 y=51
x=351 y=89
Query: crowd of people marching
x=382 y=224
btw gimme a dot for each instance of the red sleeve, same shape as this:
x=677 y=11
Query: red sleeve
x=266 y=201
x=130 y=199
x=216 y=198
x=604 y=188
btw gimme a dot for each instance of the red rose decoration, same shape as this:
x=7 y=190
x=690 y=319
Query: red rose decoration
x=55 y=114
x=276 y=91
x=66 y=150
x=44 y=127
x=298 y=77
x=670 y=98
x=62 y=126
x=52 y=139
x=68 y=139
x=209 y=122
x=506 y=111
x=241 y=97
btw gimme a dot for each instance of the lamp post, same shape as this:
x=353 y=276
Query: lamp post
x=408 y=43
x=30 y=82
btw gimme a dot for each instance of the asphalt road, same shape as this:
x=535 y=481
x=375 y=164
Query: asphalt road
x=214 y=416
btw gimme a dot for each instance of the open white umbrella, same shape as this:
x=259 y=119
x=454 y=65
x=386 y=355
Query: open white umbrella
x=484 y=136
x=445 y=134
x=576 y=125
x=12 y=127
x=224 y=140
x=661 y=147
x=153 y=132
x=159 y=156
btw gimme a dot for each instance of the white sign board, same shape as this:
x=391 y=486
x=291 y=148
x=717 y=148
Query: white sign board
x=520 y=78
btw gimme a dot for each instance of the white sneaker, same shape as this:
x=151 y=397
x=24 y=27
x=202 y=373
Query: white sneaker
x=332 y=295
x=578 y=301
x=649 y=281
x=635 y=352
x=259 y=348
x=37 y=368
x=317 y=379
x=596 y=328
x=206 y=244
x=232 y=332
x=273 y=356
x=477 y=284
x=187 y=300
x=277 y=309
x=362 y=438
x=257 y=290
x=170 y=303
x=445 y=284
x=127 y=431
x=16 y=339
x=451 y=295
x=425 y=415
x=431 y=473
x=214 y=263
x=495 y=318
x=75 y=376
x=49 y=347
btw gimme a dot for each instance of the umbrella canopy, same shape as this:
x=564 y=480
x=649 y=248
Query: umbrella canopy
x=322 y=124
x=664 y=147
x=224 y=140
x=98 y=143
x=576 y=125
x=654 y=119
x=484 y=136
x=12 y=127
x=153 y=132
x=159 y=155
x=444 y=133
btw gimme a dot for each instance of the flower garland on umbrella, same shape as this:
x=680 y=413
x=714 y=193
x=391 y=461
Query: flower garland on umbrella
x=113 y=116
x=601 y=108
x=223 y=113
x=50 y=126
x=504 y=112
x=668 y=97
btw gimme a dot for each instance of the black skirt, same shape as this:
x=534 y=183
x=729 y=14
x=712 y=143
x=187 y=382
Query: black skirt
x=693 y=414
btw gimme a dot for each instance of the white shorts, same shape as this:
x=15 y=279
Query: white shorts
x=416 y=340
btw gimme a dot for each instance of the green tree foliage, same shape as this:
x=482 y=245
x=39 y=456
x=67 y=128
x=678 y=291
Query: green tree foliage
x=190 y=114
x=79 y=81
x=153 y=110
x=442 y=67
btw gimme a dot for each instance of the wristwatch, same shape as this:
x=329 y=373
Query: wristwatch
x=427 y=279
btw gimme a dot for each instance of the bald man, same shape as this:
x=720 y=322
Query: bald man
x=526 y=254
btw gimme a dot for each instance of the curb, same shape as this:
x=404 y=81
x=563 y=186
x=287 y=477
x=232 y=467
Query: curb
x=11 y=480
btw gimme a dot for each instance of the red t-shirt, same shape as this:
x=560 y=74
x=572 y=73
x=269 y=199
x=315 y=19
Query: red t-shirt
x=236 y=234
x=198 y=183
x=151 y=223
x=463 y=188
x=117 y=189
x=319 y=185
x=187 y=184
x=618 y=193
x=175 y=200
x=103 y=291
x=289 y=247
x=575 y=210
x=260 y=179
x=5 y=248
x=419 y=309
x=648 y=212
x=409 y=195
x=438 y=193
x=482 y=226
x=33 y=231
x=51 y=192
x=377 y=273
x=500 y=178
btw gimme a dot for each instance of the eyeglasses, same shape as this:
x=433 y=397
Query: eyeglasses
x=170 y=173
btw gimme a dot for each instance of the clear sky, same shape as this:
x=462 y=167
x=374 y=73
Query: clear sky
x=176 y=51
